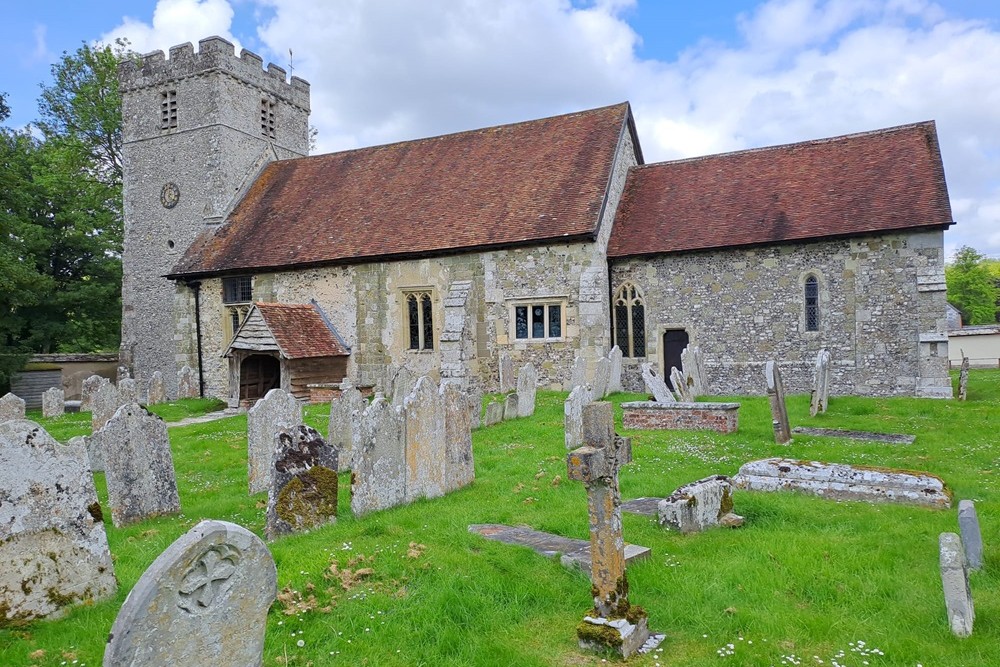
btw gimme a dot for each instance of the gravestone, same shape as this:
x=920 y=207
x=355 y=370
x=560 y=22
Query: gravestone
x=89 y=390
x=138 y=466
x=889 y=438
x=613 y=624
x=106 y=402
x=573 y=415
x=187 y=383
x=426 y=449
x=475 y=397
x=573 y=553
x=378 y=479
x=776 y=397
x=681 y=387
x=302 y=493
x=820 y=396
x=460 y=470
x=615 y=375
x=128 y=391
x=11 y=407
x=121 y=374
x=972 y=538
x=578 y=375
x=699 y=505
x=494 y=413
x=156 y=393
x=955 y=582
x=53 y=402
x=53 y=547
x=203 y=601
x=345 y=423
x=510 y=407
x=963 y=379
x=602 y=376
x=403 y=382
x=506 y=373
x=277 y=411
x=655 y=384
x=527 y=381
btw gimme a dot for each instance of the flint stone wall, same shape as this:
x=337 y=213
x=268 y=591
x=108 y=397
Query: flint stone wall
x=653 y=416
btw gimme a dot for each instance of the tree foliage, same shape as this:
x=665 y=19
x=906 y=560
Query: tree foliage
x=972 y=287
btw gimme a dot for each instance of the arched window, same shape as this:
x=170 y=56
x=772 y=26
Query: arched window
x=630 y=321
x=812 y=303
x=420 y=320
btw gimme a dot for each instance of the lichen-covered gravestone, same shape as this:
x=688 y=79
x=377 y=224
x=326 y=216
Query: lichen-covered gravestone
x=187 y=383
x=510 y=407
x=128 y=391
x=403 y=382
x=955 y=581
x=693 y=364
x=302 y=494
x=203 y=601
x=506 y=373
x=53 y=548
x=527 y=381
x=277 y=411
x=615 y=377
x=602 y=376
x=776 y=396
x=494 y=413
x=475 y=398
x=820 y=395
x=89 y=390
x=655 y=385
x=11 y=407
x=699 y=505
x=343 y=431
x=138 y=466
x=972 y=537
x=458 y=438
x=681 y=387
x=106 y=402
x=578 y=376
x=426 y=449
x=53 y=402
x=156 y=393
x=573 y=415
x=378 y=479
x=963 y=379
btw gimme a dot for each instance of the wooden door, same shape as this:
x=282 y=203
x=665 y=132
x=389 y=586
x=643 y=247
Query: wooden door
x=674 y=342
x=259 y=374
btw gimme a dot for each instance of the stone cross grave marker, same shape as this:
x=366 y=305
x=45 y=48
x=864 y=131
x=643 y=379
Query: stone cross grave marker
x=955 y=581
x=89 y=390
x=156 y=393
x=302 y=494
x=963 y=378
x=655 y=384
x=573 y=415
x=460 y=469
x=106 y=402
x=602 y=376
x=138 y=466
x=820 y=396
x=426 y=449
x=776 y=396
x=527 y=382
x=344 y=426
x=53 y=547
x=187 y=383
x=972 y=538
x=510 y=407
x=378 y=479
x=203 y=601
x=615 y=375
x=681 y=386
x=277 y=411
x=596 y=464
x=578 y=375
x=494 y=413
x=53 y=402
x=11 y=407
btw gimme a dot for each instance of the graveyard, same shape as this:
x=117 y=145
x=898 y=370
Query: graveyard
x=805 y=580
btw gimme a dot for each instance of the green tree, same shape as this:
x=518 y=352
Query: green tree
x=972 y=287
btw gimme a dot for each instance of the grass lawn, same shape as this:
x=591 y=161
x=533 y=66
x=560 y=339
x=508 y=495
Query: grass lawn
x=805 y=581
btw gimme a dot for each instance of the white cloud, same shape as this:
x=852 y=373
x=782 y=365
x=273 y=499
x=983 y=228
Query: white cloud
x=176 y=22
x=41 y=51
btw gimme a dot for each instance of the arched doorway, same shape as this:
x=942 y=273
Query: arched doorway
x=674 y=342
x=259 y=374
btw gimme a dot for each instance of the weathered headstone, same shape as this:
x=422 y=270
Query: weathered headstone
x=655 y=384
x=693 y=365
x=277 y=411
x=699 y=505
x=378 y=479
x=963 y=379
x=156 y=393
x=53 y=402
x=573 y=415
x=613 y=623
x=128 y=391
x=602 y=376
x=53 y=547
x=510 y=407
x=426 y=450
x=138 y=466
x=527 y=382
x=972 y=538
x=104 y=406
x=302 y=493
x=344 y=429
x=11 y=407
x=578 y=375
x=403 y=382
x=203 y=601
x=820 y=395
x=187 y=383
x=494 y=413
x=460 y=470
x=681 y=387
x=475 y=398
x=89 y=390
x=955 y=581
x=615 y=375
x=506 y=373
x=776 y=397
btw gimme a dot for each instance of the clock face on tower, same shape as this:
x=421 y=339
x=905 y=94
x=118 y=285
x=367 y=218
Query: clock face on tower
x=169 y=195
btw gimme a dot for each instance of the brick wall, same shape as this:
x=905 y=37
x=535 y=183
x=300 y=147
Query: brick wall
x=650 y=416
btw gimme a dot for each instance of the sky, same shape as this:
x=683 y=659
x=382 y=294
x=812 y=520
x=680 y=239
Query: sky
x=702 y=77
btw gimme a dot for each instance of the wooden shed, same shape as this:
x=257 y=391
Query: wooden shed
x=287 y=346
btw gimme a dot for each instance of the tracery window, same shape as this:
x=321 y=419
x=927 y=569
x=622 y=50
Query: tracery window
x=630 y=321
x=811 y=289
x=420 y=320
x=168 y=109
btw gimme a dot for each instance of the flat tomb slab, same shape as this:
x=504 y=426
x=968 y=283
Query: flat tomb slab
x=646 y=506
x=838 y=481
x=890 y=438
x=656 y=416
x=573 y=552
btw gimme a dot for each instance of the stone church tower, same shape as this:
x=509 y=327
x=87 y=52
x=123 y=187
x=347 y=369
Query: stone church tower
x=197 y=129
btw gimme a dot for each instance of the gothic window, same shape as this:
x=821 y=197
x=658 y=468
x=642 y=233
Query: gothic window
x=812 y=303
x=420 y=320
x=237 y=297
x=630 y=321
x=538 y=321
x=267 y=119
x=168 y=109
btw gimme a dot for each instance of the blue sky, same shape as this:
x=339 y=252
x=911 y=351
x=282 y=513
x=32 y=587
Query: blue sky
x=702 y=77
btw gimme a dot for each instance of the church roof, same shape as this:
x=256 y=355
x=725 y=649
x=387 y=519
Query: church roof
x=874 y=182
x=526 y=183
x=294 y=330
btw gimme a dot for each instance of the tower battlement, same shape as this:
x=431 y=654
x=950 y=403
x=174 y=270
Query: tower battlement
x=214 y=54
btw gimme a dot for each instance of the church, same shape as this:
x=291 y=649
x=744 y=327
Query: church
x=260 y=266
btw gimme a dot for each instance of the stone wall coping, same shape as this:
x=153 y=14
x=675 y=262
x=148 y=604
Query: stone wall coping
x=975 y=330
x=653 y=405
x=73 y=357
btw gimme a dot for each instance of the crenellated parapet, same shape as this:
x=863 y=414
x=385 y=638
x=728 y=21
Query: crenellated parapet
x=214 y=54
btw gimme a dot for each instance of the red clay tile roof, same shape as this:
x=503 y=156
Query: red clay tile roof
x=529 y=182
x=866 y=183
x=301 y=330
